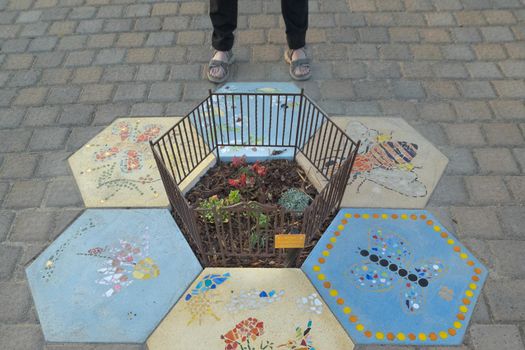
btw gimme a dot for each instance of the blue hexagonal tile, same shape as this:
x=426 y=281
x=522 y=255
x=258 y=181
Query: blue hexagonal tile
x=111 y=276
x=396 y=277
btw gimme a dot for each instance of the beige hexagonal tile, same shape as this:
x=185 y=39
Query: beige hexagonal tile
x=396 y=167
x=250 y=308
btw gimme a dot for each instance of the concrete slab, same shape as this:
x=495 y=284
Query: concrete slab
x=250 y=308
x=396 y=167
x=111 y=276
x=396 y=277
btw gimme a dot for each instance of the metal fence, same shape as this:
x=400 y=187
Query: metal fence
x=234 y=235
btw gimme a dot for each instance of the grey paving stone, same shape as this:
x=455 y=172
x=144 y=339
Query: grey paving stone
x=160 y=39
x=472 y=110
x=4 y=189
x=476 y=89
x=113 y=11
x=9 y=257
x=362 y=108
x=460 y=161
x=53 y=164
x=513 y=69
x=44 y=43
x=105 y=114
x=464 y=134
x=483 y=70
x=508 y=256
x=407 y=89
x=16 y=301
x=503 y=134
x=41 y=116
x=337 y=90
x=168 y=91
x=82 y=12
x=137 y=10
x=436 y=111
x=90 y=26
x=6 y=95
x=64 y=218
x=449 y=190
x=22 y=337
x=487 y=190
x=94 y=93
x=48 y=59
x=80 y=136
x=14 y=140
x=63 y=193
x=510 y=88
x=154 y=23
x=504 y=337
x=63 y=94
x=495 y=161
x=404 y=109
x=147 y=109
x=24 y=78
x=118 y=73
x=118 y=25
x=497 y=34
x=130 y=92
x=372 y=89
x=519 y=154
x=466 y=35
x=76 y=115
x=79 y=58
x=174 y=23
x=45 y=139
x=110 y=56
x=33 y=225
x=6 y=219
x=15 y=45
x=477 y=222
x=508 y=109
x=186 y=72
x=432 y=132
x=513 y=221
x=17 y=166
x=11 y=117
x=74 y=42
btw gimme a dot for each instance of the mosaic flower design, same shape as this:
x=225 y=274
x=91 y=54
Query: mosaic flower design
x=244 y=335
x=123 y=263
x=302 y=340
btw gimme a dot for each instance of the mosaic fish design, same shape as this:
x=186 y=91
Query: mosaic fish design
x=123 y=263
x=384 y=161
x=201 y=299
x=208 y=282
x=386 y=266
x=253 y=299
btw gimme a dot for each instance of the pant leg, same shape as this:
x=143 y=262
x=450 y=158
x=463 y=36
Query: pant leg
x=223 y=14
x=295 y=15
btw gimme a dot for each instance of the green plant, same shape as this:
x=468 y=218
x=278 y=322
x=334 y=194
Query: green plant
x=294 y=199
x=214 y=202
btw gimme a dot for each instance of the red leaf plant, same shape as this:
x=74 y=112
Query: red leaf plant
x=244 y=331
x=259 y=169
x=238 y=162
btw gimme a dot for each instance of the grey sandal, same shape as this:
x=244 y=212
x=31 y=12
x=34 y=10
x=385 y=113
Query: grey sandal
x=294 y=64
x=225 y=67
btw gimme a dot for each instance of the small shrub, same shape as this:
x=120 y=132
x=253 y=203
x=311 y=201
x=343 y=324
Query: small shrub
x=294 y=199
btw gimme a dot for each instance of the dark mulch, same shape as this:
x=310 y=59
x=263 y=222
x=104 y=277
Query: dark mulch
x=280 y=176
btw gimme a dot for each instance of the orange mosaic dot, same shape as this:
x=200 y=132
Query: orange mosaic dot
x=477 y=270
x=413 y=217
x=375 y=216
x=433 y=336
x=444 y=235
x=321 y=260
x=327 y=284
x=460 y=317
x=394 y=216
x=423 y=217
x=353 y=318
x=357 y=216
x=457 y=249
x=430 y=222
x=411 y=336
x=340 y=301
x=475 y=278
x=337 y=233
x=368 y=334
x=329 y=246
x=471 y=263
x=452 y=331
x=344 y=221
x=390 y=336
x=466 y=301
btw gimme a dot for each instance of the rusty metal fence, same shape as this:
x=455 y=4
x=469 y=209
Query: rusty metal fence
x=243 y=234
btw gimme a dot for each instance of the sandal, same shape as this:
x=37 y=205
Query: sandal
x=294 y=64
x=225 y=67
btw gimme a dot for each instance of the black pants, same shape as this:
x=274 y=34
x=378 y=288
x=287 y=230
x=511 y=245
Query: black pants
x=223 y=14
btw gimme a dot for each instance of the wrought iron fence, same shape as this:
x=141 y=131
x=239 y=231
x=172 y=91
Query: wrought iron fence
x=235 y=235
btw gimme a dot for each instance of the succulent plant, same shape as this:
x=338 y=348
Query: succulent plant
x=294 y=199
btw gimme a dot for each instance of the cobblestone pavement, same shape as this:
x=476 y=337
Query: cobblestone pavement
x=454 y=69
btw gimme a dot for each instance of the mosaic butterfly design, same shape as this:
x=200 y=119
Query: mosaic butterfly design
x=386 y=265
x=208 y=282
x=302 y=340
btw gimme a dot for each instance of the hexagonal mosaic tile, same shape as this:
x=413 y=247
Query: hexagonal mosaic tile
x=250 y=308
x=111 y=276
x=116 y=167
x=396 y=167
x=396 y=277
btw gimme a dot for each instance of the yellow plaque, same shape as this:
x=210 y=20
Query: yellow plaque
x=290 y=241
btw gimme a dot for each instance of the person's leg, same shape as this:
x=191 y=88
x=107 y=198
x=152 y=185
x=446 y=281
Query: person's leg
x=295 y=15
x=223 y=15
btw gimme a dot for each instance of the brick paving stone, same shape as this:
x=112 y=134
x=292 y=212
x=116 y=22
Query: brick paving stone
x=504 y=337
x=105 y=114
x=464 y=134
x=450 y=190
x=173 y=54
x=63 y=193
x=472 y=110
x=495 y=161
x=461 y=161
x=96 y=93
x=510 y=88
x=185 y=72
x=6 y=219
x=436 y=111
x=513 y=69
x=63 y=94
x=53 y=164
x=167 y=91
x=10 y=336
x=48 y=59
x=372 y=89
x=76 y=115
x=45 y=139
x=79 y=58
x=513 y=221
x=11 y=117
x=516 y=185
x=147 y=109
x=18 y=166
x=72 y=42
x=9 y=256
x=487 y=189
x=24 y=78
x=508 y=255
x=25 y=194
x=15 y=300
x=101 y=40
x=31 y=96
x=477 y=222
x=503 y=134
x=508 y=109
x=519 y=154
x=152 y=72
x=160 y=39
x=14 y=140
x=4 y=189
x=87 y=75
x=142 y=55
x=129 y=92
x=118 y=73
x=110 y=56
x=55 y=76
